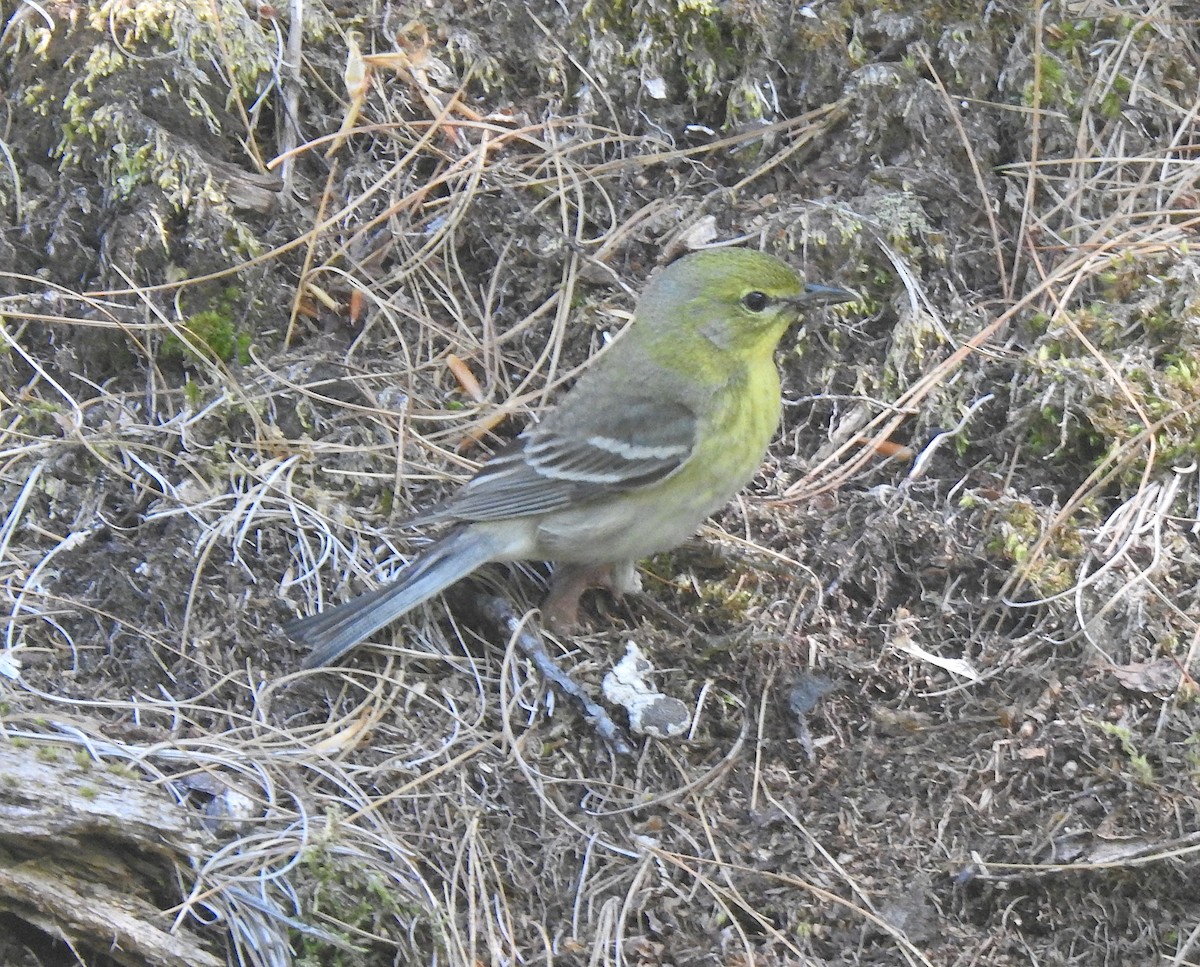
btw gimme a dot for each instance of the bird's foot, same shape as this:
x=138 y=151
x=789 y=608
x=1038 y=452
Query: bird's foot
x=560 y=610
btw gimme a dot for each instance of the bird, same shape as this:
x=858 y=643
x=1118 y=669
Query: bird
x=661 y=430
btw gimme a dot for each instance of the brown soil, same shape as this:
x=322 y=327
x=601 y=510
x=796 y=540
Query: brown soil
x=942 y=654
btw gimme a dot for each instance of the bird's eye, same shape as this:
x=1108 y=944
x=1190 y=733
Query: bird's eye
x=756 y=301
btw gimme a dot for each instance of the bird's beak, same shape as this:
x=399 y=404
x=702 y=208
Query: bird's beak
x=825 y=295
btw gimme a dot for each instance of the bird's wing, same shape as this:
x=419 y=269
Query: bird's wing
x=605 y=451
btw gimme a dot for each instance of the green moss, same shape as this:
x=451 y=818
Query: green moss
x=210 y=334
x=715 y=56
x=147 y=94
x=193 y=394
x=1016 y=530
x=1049 y=86
x=1115 y=100
x=1191 y=755
x=1128 y=391
x=902 y=215
x=122 y=770
x=726 y=597
x=1065 y=436
x=1142 y=770
x=367 y=903
x=1071 y=38
x=1074 y=69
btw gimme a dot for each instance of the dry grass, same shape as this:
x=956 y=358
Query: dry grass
x=1002 y=613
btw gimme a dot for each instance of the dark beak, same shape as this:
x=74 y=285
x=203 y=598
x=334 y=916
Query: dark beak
x=825 y=295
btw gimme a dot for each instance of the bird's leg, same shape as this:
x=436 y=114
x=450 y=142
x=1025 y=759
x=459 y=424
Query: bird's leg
x=560 y=610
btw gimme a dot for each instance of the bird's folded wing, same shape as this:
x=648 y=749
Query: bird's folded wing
x=614 y=450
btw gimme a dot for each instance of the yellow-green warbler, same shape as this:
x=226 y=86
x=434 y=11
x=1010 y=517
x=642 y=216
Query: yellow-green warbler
x=669 y=423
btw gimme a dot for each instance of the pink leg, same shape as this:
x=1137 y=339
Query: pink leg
x=560 y=610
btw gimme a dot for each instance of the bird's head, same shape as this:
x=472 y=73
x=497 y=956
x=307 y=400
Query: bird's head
x=739 y=300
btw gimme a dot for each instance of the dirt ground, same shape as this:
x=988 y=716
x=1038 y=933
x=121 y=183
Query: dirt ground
x=272 y=285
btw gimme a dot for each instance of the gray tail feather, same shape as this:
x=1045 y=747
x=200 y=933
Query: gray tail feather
x=336 y=630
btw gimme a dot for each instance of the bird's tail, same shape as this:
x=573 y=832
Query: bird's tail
x=334 y=631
